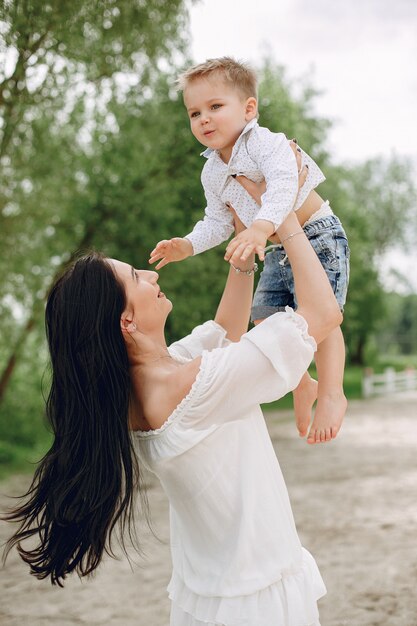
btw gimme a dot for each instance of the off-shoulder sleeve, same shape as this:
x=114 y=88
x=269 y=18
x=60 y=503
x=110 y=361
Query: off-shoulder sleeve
x=263 y=366
x=207 y=336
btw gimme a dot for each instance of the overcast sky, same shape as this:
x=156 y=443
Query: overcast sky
x=361 y=54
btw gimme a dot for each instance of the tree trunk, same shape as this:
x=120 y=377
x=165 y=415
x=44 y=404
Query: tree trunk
x=358 y=356
x=13 y=358
x=85 y=242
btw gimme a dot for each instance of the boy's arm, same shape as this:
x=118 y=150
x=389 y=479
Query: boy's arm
x=215 y=227
x=280 y=164
x=170 y=250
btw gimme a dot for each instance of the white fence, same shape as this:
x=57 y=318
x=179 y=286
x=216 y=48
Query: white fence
x=388 y=382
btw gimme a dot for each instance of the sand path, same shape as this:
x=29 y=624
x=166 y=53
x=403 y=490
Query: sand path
x=355 y=505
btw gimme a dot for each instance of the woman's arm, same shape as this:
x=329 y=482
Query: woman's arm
x=316 y=301
x=233 y=312
x=315 y=297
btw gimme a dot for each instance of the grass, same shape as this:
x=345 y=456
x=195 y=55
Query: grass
x=398 y=362
x=17 y=459
x=353 y=378
x=352 y=386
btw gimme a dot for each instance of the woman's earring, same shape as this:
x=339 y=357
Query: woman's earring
x=130 y=328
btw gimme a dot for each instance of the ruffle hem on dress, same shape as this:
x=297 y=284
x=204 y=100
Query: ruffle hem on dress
x=290 y=601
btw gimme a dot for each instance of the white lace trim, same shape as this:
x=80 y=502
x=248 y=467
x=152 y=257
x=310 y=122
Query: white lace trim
x=182 y=405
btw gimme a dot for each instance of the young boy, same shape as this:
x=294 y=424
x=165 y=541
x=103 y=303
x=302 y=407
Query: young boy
x=220 y=96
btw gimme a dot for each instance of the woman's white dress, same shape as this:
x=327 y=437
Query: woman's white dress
x=237 y=559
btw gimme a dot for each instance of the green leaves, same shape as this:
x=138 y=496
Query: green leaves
x=65 y=64
x=96 y=151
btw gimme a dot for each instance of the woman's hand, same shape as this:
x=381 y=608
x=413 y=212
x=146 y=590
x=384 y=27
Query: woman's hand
x=256 y=190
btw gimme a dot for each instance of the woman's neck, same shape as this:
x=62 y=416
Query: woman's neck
x=145 y=350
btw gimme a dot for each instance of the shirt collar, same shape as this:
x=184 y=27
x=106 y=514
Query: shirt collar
x=206 y=153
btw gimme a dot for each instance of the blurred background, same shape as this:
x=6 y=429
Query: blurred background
x=96 y=151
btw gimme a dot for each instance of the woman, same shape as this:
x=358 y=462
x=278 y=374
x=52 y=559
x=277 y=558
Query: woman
x=196 y=421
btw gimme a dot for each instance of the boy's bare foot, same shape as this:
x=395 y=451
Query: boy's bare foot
x=304 y=397
x=328 y=417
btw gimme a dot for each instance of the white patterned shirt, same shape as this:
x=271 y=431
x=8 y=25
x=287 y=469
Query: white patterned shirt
x=257 y=154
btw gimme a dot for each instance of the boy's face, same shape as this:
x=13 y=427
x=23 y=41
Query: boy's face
x=218 y=113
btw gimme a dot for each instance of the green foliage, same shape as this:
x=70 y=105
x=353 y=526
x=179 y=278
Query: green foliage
x=20 y=459
x=352 y=384
x=66 y=64
x=100 y=37
x=397 y=332
x=96 y=151
x=283 y=111
x=376 y=202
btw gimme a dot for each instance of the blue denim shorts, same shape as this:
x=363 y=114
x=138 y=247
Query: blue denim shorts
x=275 y=289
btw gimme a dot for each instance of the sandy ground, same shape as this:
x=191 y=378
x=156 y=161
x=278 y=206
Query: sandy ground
x=355 y=504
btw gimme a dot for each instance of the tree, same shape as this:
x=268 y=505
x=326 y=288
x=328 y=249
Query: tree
x=397 y=333
x=88 y=41
x=376 y=202
x=283 y=111
x=63 y=62
x=110 y=163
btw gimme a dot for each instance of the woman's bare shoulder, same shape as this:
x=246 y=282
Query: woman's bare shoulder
x=167 y=390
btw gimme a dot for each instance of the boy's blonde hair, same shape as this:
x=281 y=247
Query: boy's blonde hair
x=234 y=73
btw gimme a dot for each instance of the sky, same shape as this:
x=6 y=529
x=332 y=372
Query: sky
x=361 y=55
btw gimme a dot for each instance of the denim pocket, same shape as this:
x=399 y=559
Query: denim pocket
x=326 y=248
x=332 y=249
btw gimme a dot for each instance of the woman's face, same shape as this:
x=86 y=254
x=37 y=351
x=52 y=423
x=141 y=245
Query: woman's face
x=146 y=304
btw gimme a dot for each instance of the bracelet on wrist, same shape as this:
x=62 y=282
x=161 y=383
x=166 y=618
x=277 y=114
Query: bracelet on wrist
x=245 y=272
x=290 y=236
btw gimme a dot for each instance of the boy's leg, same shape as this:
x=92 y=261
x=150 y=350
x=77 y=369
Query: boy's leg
x=328 y=239
x=304 y=396
x=331 y=401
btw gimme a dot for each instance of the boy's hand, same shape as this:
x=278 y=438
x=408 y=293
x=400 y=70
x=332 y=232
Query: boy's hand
x=170 y=250
x=253 y=239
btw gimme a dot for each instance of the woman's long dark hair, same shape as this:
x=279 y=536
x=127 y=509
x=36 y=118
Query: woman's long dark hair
x=86 y=483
